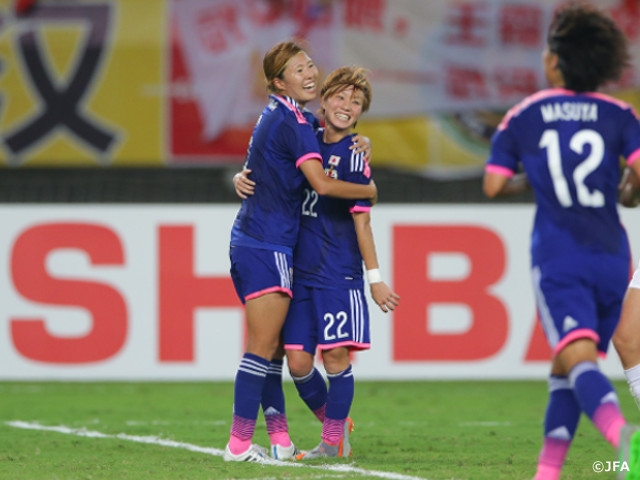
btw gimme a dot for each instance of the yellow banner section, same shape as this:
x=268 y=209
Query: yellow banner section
x=443 y=146
x=169 y=82
x=81 y=83
x=434 y=146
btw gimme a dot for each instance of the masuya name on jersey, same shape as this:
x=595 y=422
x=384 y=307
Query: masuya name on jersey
x=569 y=111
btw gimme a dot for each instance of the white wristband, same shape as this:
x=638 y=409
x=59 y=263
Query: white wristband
x=374 y=276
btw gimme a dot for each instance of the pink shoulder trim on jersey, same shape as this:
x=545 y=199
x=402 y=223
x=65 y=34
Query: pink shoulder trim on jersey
x=268 y=290
x=633 y=157
x=519 y=107
x=359 y=209
x=296 y=111
x=576 y=335
x=308 y=156
x=498 y=170
x=607 y=98
x=367 y=169
x=351 y=345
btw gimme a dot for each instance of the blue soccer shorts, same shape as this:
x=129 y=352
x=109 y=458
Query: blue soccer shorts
x=326 y=318
x=580 y=297
x=256 y=271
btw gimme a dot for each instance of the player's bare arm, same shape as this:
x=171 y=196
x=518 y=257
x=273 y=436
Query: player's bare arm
x=245 y=187
x=495 y=184
x=384 y=297
x=630 y=186
x=323 y=185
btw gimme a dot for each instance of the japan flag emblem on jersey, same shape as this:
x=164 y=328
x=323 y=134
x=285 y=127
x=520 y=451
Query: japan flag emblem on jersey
x=334 y=160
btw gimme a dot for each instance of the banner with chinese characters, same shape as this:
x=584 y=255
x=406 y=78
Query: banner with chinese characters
x=425 y=58
x=179 y=82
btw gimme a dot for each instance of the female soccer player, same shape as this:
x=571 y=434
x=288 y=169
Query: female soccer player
x=626 y=339
x=329 y=281
x=329 y=309
x=569 y=139
x=283 y=151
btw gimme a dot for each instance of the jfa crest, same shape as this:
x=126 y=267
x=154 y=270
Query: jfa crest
x=330 y=172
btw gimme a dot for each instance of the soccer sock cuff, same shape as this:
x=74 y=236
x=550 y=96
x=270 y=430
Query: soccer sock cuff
x=248 y=386
x=563 y=410
x=598 y=400
x=340 y=394
x=633 y=379
x=312 y=389
x=560 y=424
x=273 y=406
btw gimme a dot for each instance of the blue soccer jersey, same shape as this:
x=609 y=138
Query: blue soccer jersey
x=569 y=144
x=327 y=254
x=282 y=139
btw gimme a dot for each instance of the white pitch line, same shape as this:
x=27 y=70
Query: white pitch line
x=485 y=424
x=83 y=432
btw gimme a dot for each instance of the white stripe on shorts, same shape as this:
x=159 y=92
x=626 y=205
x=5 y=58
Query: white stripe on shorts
x=357 y=316
x=283 y=268
x=545 y=317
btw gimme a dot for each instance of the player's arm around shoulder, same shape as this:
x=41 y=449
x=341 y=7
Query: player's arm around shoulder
x=323 y=185
x=362 y=144
x=384 y=297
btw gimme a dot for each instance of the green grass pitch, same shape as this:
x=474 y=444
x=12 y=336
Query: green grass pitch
x=435 y=430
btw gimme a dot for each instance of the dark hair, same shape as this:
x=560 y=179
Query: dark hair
x=591 y=48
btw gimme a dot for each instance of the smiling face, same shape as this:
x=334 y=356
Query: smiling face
x=299 y=79
x=342 y=109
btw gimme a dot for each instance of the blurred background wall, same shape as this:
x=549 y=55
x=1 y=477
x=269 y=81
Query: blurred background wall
x=154 y=100
x=123 y=121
